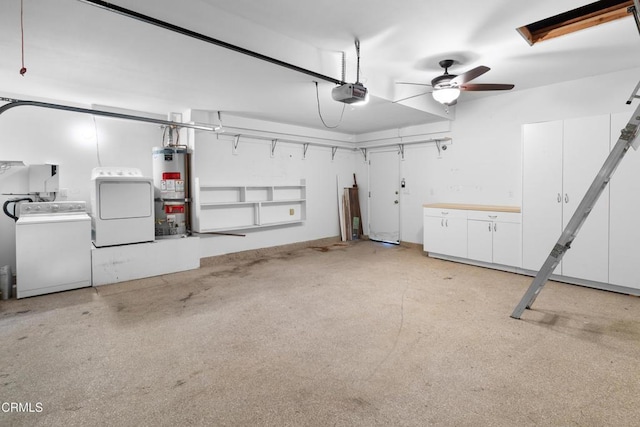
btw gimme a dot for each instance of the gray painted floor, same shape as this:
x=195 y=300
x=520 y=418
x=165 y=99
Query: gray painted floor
x=339 y=334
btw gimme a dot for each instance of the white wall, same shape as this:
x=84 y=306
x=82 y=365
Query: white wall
x=483 y=165
x=35 y=136
x=215 y=164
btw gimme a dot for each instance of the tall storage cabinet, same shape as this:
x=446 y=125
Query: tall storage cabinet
x=624 y=230
x=560 y=160
x=541 y=191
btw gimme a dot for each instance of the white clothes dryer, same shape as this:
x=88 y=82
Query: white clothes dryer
x=122 y=202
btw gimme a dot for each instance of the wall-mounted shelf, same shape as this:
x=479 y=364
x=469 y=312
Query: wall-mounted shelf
x=230 y=207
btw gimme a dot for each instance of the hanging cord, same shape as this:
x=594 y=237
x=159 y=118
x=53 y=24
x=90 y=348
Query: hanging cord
x=23 y=70
x=320 y=114
x=95 y=129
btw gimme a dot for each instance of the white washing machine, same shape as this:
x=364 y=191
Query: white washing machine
x=53 y=248
x=122 y=203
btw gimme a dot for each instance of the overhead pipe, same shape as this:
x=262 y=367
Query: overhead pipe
x=12 y=103
x=181 y=30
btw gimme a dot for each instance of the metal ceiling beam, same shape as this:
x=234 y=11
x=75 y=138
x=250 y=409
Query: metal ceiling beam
x=184 y=31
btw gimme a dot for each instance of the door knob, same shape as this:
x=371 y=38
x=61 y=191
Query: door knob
x=395 y=201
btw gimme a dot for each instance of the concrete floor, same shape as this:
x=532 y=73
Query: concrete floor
x=336 y=334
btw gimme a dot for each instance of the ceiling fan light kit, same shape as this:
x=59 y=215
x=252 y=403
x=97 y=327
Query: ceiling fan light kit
x=446 y=95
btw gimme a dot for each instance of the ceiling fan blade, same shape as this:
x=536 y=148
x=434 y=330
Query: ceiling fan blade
x=469 y=75
x=486 y=86
x=409 y=97
x=415 y=84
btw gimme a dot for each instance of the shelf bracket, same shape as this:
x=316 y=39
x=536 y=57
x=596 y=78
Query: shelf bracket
x=274 y=142
x=439 y=148
x=236 y=141
x=364 y=153
x=401 y=151
x=305 y=147
x=333 y=152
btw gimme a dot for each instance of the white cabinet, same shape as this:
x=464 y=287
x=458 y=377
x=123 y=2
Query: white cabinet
x=560 y=160
x=541 y=191
x=494 y=237
x=230 y=207
x=624 y=229
x=445 y=232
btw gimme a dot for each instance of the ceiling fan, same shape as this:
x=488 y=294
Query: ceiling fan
x=447 y=87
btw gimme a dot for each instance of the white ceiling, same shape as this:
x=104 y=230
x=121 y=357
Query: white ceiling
x=79 y=53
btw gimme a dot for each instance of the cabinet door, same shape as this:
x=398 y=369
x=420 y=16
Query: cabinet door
x=479 y=240
x=507 y=244
x=455 y=237
x=624 y=213
x=585 y=148
x=433 y=229
x=541 y=191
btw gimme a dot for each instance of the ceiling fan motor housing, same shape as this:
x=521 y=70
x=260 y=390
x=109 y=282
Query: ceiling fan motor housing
x=442 y=81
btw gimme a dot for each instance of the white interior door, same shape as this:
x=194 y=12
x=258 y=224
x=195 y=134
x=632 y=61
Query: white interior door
x=384 y=196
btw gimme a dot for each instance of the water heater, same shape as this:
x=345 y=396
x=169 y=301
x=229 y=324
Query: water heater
x=171 y=181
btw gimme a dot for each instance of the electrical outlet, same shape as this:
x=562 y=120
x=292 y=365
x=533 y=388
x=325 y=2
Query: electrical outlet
x=292 y=211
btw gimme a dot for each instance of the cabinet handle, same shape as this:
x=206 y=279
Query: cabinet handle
x=559 y=198
x=489 y=227
x=493 y=216
x=495 y=226
x=445 y=213
x=566 y=198
x=446 y=222
x=442 y=222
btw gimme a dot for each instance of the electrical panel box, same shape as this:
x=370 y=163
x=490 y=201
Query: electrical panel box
x=43 y=179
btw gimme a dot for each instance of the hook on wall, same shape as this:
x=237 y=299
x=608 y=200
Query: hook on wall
x=236 y=141
x=364 y=153
x=305 y=147
x=440 y=146
x=333 y=152
x=401 y=151
x=274 y=142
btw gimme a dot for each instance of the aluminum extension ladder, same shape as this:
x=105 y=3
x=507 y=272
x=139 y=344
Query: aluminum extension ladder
x=628 y=138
